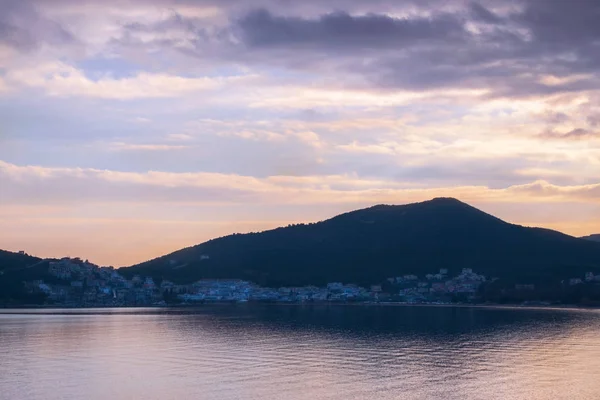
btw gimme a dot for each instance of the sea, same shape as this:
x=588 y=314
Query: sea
x=290 y=352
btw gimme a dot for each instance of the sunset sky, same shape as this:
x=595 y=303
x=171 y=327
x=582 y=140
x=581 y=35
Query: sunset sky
x=129 y=129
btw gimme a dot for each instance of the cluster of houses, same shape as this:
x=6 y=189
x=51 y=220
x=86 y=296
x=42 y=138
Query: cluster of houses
x=242 y=291
x=439 y=286
x=589 y=277
x=80 y=283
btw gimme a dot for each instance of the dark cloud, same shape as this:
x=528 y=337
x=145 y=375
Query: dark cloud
x=11 y=33
x=260 y=29
x=575 y=134
x=594 y=120
x=14 y=37
x=556 y=117
x=482 y=14
x=507 y=53
x=558 y=23
x=175 y=20
x=506 y=46
x=24 y=28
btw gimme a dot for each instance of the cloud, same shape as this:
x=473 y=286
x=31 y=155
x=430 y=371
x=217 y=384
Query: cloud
x=573 y=134
x=179 y=137
x=3 y=86
x=505 y=48
x=547 y=190
x=60 y=79
x=340 y=31
x=120 y=146
x=22 y=27
x=297 y=97
x=482 y=14
x=356 y=147
x=33 y=185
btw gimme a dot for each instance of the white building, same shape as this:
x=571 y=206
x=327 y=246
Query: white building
x=335 y=286
x=589 y=276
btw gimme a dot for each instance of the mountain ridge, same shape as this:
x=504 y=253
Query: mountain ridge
x=13 y=260
x=371 y=244
x=593 y=237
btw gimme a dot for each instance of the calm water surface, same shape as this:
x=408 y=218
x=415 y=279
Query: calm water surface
x=295 y=352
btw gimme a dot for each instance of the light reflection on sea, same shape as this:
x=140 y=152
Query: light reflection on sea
x=300 y=352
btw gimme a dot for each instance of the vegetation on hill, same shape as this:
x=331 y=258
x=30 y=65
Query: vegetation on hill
x=10 y=260
x=14 y=269
x=594 y=238
x=369 y=245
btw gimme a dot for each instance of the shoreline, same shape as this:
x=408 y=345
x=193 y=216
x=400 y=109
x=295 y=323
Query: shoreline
x=572 y=307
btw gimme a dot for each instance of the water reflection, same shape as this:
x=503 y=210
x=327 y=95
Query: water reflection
x=292 y=352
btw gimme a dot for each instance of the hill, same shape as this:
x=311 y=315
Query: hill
x=11 y=261
x=594 y=238
x=14 y=268
x=369 y=245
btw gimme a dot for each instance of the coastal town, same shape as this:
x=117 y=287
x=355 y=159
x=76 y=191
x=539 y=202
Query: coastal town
x=72 y=282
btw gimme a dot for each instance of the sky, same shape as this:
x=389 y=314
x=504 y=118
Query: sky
x=130 y=129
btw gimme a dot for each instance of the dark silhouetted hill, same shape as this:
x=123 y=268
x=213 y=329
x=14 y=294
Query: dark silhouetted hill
x=369 y=245
x=14 y=269
x=10 y=260
x=594 y=238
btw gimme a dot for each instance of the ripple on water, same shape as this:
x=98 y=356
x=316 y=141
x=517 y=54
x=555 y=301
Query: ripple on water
x=318 y=353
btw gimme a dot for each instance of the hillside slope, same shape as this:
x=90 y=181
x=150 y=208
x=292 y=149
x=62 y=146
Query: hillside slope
x=594 y=238
x=10 y=260
x=368 y=245
x=14 y=268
